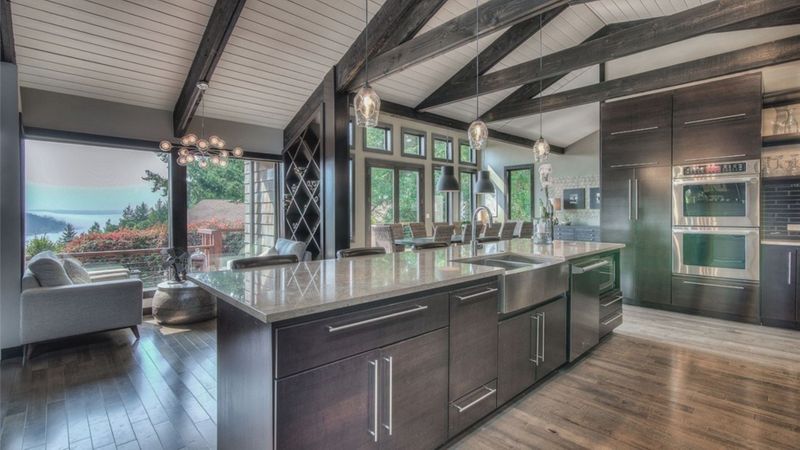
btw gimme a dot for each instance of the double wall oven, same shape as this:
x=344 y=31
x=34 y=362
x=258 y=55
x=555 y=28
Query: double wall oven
x=715 y=218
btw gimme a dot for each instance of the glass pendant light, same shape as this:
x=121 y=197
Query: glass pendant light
x=367 y=103
x=478 y=132
x=541 y=148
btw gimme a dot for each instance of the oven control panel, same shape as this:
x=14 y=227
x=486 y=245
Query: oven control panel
x=728 y=168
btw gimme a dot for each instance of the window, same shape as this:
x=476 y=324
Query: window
x=232 y=211
x=106 y=207
x=466 y=180
x=441 y=200
x=519 y=192
x=395 y=192
x=413 y=143
x=442 y=148
x=378 y=139
x=466 y=155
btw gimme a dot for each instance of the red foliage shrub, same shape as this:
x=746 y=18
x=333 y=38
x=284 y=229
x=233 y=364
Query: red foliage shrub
x=124 y=239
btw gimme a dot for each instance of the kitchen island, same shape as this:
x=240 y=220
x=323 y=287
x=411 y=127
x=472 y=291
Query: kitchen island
x=404 y=350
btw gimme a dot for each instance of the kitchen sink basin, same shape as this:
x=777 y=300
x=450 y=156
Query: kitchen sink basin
x=527 y=281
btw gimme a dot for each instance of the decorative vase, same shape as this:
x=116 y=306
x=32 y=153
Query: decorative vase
x=543 y=231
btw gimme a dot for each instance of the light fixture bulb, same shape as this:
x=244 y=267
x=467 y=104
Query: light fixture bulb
x=189 y=139
x=223 y=153
x=238 y=151
x=367 y=105
x=190 y=158
x=213 y=140
x=478 y=134
x=223 y=162
x=220 y=143
x=215 y=160
x=202 y=144
x=202 y=163
x=183 y=151
x=182 y=161
x=165 y=146
x=541 y=149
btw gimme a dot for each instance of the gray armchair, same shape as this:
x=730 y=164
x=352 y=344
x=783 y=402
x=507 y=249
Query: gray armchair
x=48 y=313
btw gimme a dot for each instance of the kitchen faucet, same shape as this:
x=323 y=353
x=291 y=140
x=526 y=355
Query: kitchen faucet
x=474 y=241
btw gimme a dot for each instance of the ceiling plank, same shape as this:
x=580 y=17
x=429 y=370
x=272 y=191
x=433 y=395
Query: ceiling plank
x=7 y=52
x=750 y=58
x=395 y=22
x=496 y=51
x=645 y=36
x=494 y=15
x=219 y=28
x=446 y=122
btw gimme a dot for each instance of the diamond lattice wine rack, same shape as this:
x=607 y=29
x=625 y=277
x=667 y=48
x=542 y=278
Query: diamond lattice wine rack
x=302 y=190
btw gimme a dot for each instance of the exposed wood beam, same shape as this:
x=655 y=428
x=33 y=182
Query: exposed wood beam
x=782 y=98
x=651 y=34
x=218 y=30
x=494 y=15
x=7 y=52
x=446 y=122
x=496 y=51
x=395 y=22
x=751 y=58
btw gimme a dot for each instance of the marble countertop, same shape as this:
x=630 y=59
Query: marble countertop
x=285 y=292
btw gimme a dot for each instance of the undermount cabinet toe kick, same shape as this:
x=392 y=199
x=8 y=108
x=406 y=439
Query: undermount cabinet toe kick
x=413 y=369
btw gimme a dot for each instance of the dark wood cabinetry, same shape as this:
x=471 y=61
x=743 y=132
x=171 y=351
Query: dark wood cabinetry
x=718 y=120
x=637 y=132
x=532 y=345
x=779 y=293
x=729 y=299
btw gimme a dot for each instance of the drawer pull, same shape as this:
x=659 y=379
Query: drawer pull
x=738 y=288
x=711 y=158
x=605 y=305
x=590 y=267
x=716 y=119
x=476 y=295
x=618 y=166
x=483 y=397
x=333 y=329
x=612 y=319
x=635 y=130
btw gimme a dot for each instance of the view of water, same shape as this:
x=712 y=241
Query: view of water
x=81 y=220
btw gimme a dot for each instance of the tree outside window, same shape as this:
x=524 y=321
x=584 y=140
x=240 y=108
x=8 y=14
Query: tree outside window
x=520 y=193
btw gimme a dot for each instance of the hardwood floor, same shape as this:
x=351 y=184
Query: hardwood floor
x=663 y=380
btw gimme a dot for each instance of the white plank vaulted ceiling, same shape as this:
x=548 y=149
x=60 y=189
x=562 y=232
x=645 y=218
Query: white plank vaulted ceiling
x=139 y=52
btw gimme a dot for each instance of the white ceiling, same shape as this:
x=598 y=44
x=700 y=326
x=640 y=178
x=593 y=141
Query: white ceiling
x=139 y=52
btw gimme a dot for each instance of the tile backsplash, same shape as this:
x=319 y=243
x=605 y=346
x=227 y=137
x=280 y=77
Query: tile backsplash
x=780 y=207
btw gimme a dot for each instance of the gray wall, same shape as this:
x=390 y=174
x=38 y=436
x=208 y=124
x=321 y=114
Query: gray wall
x=54 y=111
x=10 y=207
x=578 y=167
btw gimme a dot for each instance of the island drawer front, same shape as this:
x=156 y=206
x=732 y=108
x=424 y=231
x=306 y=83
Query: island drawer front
x=731 y=297
x=472 y=407
x=312 y=344
x=608 y=324
x=610 y=303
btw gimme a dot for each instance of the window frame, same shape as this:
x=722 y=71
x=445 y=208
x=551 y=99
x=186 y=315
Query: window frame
x=442 y=137
x=447 y=196
x=473 y=197
x=351 y=133
x=473 y=153
x=423 y=142
x=396 y=166
x=389 y=128
x=507 y=171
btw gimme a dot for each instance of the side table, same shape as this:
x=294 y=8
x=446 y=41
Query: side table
x=180 y=303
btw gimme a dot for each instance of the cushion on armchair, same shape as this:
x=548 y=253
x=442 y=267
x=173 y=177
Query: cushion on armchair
x=288 y=247
x=76 y=272
x=49 y=271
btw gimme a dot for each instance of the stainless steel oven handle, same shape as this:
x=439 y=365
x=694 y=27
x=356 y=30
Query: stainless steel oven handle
x=716 y=179
x=738 y=288
x=716 y=230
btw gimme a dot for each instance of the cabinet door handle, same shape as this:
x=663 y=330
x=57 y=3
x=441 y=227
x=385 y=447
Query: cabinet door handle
x=715 y=157
x=715 y=119
x=535 y=344
x=636 y=208
x=726 y=286
x=489 y=393
x=630 y=190
x=612 y=319
x=465 y=298
x=606 y=305
x=635 y=130
x=389 y=406
x=619 y=166
x=789 y=270
x=544 y=323
x=375 y=380
x=417 y=308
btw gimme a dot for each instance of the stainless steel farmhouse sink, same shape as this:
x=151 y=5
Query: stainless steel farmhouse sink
x=527 y=281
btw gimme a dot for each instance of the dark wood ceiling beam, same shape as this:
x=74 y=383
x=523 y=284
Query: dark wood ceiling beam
x=494 y=15
x=496 y=51
x=215 y=37
x=751 y=58
x=651 y=34
x=395 y=22
x=782 y=98
x=7 y=52
x=446 y=122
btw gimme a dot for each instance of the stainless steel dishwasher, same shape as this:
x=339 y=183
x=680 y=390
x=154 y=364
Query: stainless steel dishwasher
x=590 y=277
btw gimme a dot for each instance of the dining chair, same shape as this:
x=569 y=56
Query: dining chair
x=507 y=230
x=457 y=228
x=443 y=233
x=262 y=261
x=466 y=233
x=418 y=230
x=492 y=230
x=360 y=251
x=526 y=231
x=384 y=236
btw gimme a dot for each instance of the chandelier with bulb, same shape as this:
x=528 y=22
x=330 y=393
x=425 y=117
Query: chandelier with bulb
x=541 y=148
x=366 y=103
x=478 y=132
x=204 y=151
